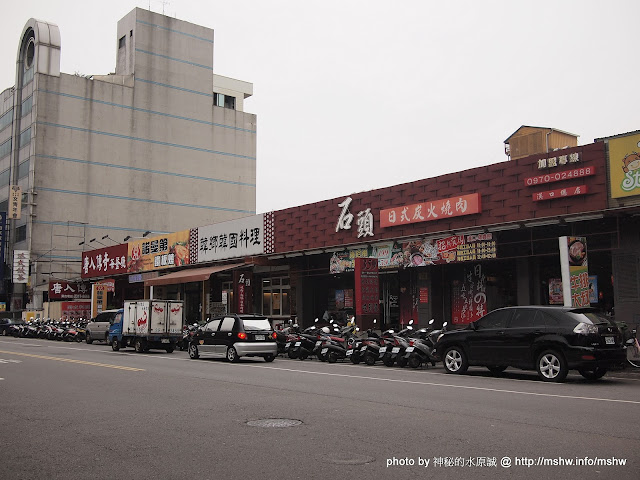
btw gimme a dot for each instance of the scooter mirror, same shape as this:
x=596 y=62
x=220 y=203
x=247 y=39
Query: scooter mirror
x=445 y=324
x=411 y=322
x=357 y=329
x=316 y=320
x=431 y=321
x=375 y=321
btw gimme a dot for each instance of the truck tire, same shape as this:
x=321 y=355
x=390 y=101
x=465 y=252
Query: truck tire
x=139 y=345
x=115 y=344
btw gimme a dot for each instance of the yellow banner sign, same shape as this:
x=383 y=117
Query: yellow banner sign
x=155 y=253
x=624 y=166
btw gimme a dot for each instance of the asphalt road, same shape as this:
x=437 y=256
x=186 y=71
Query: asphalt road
x=77 y=411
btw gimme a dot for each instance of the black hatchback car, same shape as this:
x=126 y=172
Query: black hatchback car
x=551 y=340
x=233 y=336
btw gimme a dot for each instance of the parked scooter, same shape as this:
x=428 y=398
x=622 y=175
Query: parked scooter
x=420 y=350
x=396 y=344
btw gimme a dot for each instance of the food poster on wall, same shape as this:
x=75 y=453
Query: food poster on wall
x=469 y=296
x=420 y=253
x=164 y=251
x=624 y=166
x=555 y=291
x=575 y=272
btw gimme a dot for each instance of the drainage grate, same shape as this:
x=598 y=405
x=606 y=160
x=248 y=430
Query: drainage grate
x=274 y=423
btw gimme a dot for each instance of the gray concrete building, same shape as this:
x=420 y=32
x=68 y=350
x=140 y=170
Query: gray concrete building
x=161 y=144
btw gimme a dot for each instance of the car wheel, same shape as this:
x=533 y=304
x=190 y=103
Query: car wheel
x=232 y=355
x=369 y=359
x=115 y=345
x=269 y=358
x=414 y=361
x=169 y=349
x=332 y=357
x=139 y=345
x=497 y=369
x=89 y=339
x=552 y=366
x=193 y=351
x=593 y=374
x=455 y=360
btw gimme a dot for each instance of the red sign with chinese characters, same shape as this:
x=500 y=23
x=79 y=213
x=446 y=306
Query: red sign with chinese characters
x=76 y=310
x=560 y=193
x=367 y=289
x=105 y=261
x=431 y=210
x=61 y=290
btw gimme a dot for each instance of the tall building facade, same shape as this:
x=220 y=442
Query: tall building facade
x=159 y=145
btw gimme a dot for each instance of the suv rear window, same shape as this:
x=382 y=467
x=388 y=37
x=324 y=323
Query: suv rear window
x=256 y=324
x=589 y=317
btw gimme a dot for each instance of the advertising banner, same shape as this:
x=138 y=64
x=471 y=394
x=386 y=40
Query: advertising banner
x=3 y=221
x=367 y=290
x=469 y=296
x=98 y=299
x=164 y=251
x=233 y=239
x=624 y=166
x=15 y=202
x=431 y=210
x=575 y=272
x=61 y=290
x=104 y=261
x=419 y=253
x=75 y=310
x=20 y=266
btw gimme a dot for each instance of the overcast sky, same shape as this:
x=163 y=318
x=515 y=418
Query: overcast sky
x=353 y=95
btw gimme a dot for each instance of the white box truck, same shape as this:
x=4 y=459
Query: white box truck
x=147 y=324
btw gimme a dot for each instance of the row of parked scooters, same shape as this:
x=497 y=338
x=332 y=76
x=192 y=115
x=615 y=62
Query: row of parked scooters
x=51 y=330
x=406 y=347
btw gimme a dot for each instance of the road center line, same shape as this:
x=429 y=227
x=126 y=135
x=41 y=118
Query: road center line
x=70 y=360
x=434 y=384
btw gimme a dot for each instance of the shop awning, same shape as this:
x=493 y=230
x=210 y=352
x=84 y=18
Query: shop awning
x=190 y=275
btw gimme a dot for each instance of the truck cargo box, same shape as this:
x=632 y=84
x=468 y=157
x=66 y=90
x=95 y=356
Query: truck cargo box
x=152 y=317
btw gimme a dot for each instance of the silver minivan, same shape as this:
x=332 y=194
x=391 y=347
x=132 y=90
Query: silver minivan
x=98 y=327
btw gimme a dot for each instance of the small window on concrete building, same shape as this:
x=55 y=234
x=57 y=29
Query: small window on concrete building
x=121 y=42
x=21 y=233
x=224 y=101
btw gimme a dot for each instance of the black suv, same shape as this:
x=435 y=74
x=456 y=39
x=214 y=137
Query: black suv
x=233 y=336
x=551 y=340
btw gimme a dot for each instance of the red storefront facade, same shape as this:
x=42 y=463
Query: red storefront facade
x=460 y=244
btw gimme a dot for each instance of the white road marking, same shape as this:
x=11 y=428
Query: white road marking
x=447 y=385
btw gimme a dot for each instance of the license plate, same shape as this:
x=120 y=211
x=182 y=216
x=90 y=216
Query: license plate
x=383 y=349
x=349 y=352
x=324 y=350
x=260 y=337
x=318 y=343
x=610 y=340
x=164 y=340
x=409 y=349
x=297 y=344
x=395 y=350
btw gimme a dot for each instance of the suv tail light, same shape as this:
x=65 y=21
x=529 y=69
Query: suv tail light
x=585 y=329
x=242 y=336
